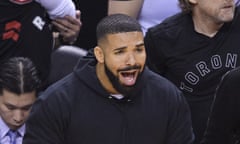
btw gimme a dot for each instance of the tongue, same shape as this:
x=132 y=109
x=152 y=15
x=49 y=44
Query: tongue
x=128 y=80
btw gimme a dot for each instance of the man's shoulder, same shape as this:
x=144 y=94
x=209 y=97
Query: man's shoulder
x=159 y=82
x=161 y=87
x=171 y=26
x=60 y=88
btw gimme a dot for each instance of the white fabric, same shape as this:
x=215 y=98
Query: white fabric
x=58 y=8
x=117 y=96
x=155 y=11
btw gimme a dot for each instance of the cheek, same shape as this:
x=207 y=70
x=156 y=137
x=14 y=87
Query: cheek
x=26 y=114
x=141 y=59
x=7 y=116
x=113 y=68
x=4 y=110
x=113 y=64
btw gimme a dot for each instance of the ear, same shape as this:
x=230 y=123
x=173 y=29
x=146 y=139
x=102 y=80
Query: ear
x=98 y=52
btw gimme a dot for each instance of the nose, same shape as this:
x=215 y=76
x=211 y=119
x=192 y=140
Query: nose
x=131 y=59
x=18 y=116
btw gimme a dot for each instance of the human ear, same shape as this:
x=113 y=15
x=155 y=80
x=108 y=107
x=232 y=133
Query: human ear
x=98 y=52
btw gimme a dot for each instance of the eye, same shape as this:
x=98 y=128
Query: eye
x=26 y=108
x=139 y=49
x=10 y=107
x=118 y=52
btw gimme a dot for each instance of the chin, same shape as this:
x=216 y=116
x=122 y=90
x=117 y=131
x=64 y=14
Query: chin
x=15 y=127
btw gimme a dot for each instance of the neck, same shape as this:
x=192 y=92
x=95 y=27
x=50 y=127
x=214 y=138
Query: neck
x=205 y=25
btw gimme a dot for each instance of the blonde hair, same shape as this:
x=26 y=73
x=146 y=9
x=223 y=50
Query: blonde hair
x=185 y=5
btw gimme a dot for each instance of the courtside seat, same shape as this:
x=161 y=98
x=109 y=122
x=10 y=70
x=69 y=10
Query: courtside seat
x=63 y=60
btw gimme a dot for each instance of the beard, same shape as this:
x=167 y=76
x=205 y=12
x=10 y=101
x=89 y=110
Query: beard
x=123 y=89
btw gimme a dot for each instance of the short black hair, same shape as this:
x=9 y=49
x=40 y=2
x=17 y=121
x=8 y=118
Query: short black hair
x=19 y=75
x=117 y=23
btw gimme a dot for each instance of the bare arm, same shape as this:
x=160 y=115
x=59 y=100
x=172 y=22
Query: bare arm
x=129 y=7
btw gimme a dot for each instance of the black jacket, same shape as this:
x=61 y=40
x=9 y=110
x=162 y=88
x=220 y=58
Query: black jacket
x=224 y=122
x=78 y=110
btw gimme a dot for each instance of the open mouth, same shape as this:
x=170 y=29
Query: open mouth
x=128 y=78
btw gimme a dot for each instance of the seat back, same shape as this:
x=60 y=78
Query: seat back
x=63 y=60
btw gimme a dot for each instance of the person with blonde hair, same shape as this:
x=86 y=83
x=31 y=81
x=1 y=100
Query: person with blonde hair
x=194 y=49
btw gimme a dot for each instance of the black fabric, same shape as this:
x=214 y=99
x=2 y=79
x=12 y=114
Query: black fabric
x=192 y=61
x=24 y=31
x=63 y=61
x=92 y=11
x=224 y=123
x=78 y=110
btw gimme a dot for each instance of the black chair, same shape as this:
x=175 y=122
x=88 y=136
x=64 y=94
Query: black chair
x=63 y=60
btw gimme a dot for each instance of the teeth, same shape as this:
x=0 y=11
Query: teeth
x=128 y=78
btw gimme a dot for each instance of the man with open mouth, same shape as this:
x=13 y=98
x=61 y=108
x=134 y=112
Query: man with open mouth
x=112 y=97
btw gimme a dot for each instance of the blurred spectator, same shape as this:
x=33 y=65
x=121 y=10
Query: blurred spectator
x=193 y=49
x=223 y=125
x=25 y=31
x=19 y=83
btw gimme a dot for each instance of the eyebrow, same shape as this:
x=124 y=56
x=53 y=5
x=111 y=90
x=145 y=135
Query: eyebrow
x=123 y=47
x=15 y=107
x=139 y=45
x=120 y=48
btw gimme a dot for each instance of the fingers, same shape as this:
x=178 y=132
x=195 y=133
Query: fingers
x=68 y=26
x=69 y=19
x=59 y=26
x=73 y=21
x=78 y=14
x=68 y=22
x=67 y=30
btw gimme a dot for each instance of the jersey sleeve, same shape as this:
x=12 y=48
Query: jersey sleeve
x=58 y=8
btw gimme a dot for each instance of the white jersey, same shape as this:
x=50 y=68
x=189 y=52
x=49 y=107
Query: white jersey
x=58 y=8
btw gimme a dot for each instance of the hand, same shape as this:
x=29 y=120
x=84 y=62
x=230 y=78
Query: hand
x=68 y=27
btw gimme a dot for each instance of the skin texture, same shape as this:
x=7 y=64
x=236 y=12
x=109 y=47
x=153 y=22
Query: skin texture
x=69 y=27
x=15 y=109
x=129 y=7
x=210 y=15
x=118 y=52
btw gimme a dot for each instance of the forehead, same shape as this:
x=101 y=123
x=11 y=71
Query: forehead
x=17 y=100
x=124 y=39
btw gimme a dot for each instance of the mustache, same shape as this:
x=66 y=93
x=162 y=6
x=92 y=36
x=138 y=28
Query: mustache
x=135 y=67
